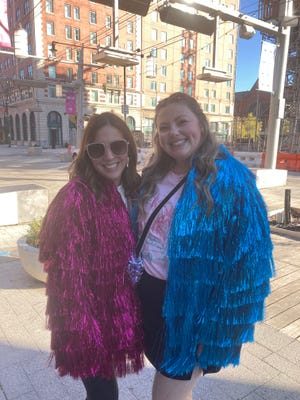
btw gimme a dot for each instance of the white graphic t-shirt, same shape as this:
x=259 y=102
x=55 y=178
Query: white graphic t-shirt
x=154 y=251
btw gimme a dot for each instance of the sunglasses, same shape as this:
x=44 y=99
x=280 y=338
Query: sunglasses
x=97 y=150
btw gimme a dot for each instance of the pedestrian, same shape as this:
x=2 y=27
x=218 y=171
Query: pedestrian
x=85 y=243
x=207 y=255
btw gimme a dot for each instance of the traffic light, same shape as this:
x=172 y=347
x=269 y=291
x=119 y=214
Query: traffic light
x=139 y=7
x=191 y=22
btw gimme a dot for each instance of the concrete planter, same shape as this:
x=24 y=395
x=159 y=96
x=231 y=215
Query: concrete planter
x=29 y=257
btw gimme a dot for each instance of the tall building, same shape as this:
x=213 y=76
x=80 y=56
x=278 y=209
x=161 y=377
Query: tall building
x=47 y=96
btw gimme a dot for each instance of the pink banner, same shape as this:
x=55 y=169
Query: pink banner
x=71 y=103
x=4 y=31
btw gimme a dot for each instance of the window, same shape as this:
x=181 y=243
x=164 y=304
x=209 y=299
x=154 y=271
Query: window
x=68 y=31
x=51 y=53
x=108 y=78
x=77 y=13
x=190 y=90
x=49 y=6
x=129 y=99
x=30 y=71
x=18 y=15
x=205 y=107
x=70 y=74
x=50 y=28
x=94 y=77
x=116 y=80
x=153 y=52
x=228 y=95
x=230 y=39
x=190 y=75
x=213 y=94
x=130 y=27
x=208 y=48
x=153 y=85
x=163 y=54
x=207 y=62
x=77 y=55
x=182 y=74
x=94 y=96
x=27 y=28
x=163 y=87
x=154 y=33
x=213 y=108
x=93 y=17
x=153 y=101
x=182 y=41
x=52 y=71
x=108 y=40
x=206 y=93
x=92 y=58
x=76 y=34
x=191 y=43
x=108 y=21
x=93 y=37
x=230 y=53
x=229 y=68
x=113 y=96
x=164 y=70
x=130 y=82
x=228 y=83
x=227 y=109
x=129 y=45
x=22 y=74
x=68 y=54
x=26 y=7
x=51 y=91
x=154 y=16
x=67 y=10
x=182 y=58
x=163 y=36
x=191 y=60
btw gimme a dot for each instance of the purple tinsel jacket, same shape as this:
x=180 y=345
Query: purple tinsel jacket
x=92 y=308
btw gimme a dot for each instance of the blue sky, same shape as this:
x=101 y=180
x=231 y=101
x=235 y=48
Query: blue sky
x=248 y=55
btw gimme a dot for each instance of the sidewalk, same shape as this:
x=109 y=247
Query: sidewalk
x=269 y=370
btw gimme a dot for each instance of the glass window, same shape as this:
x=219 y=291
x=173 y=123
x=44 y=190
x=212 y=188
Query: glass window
x=68 y=54
x=190 y=90
x=182 y=42
x=129 y=82
x=129 y=45
x=77 y=55
x=116 y=79
x=51 y=91
x=154 y=16
x=67 y=10
x=227 y=109
x=207 y=62
x=94 y=77
x=77 y=13
x=154 y=33
x=93 y=37
x=228 y=95
x=213 y=108
x=130 y=27
x=206 y=93
x=93 y=17
x=153 y=52
x=68 y=31
x=129 y=99
x=108 y=21
x=70 y=74
x=182 y=74
x=228 y=83
x=163 y=36
x=30 y=71
x=163 y=54
x=108 y=78
x=153 y=85
x=205 y=107
x=108 y=41
x=230 y=39
x=50 y=28
x=191 y=42
x=164 y=70
x=191 y=60
x=49 y=6
x=94 y=96
x=163 y=87
x=52 y=71
x=213 y=94
x=208 y=48
x=76 y=34
x=153 y=101
x=230 y=53
x=190 y=75
x=229 y=68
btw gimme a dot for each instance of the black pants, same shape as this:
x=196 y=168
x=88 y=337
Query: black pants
x=98 y=388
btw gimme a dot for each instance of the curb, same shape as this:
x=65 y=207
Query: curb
x=294 y=235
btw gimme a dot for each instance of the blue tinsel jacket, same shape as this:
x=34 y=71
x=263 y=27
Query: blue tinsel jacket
x=219 y=272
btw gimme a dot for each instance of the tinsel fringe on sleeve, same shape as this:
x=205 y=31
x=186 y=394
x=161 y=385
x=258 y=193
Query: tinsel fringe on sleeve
x=219 y=272
x=92 y=309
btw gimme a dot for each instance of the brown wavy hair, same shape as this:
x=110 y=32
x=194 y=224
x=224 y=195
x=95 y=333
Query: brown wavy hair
x=203 y=159
x=83 y=167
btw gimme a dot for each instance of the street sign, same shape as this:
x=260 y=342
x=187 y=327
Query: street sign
x=125 y=109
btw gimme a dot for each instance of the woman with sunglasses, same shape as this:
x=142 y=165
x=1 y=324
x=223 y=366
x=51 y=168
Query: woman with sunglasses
x=85 y=244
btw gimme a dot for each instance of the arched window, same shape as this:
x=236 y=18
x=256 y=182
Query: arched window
x=54 y=123
x=131 y=123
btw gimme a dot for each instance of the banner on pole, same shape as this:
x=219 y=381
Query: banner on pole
x=4 y=31
x=266 y=67
x=71 y=103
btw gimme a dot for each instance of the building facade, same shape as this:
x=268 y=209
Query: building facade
x=48 y=96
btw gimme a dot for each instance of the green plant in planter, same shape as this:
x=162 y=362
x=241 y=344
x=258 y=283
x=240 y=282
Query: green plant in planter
x=32 y=236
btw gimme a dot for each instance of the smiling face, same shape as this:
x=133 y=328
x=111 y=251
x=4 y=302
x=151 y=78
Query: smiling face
x=179 y=134
x=110 y=165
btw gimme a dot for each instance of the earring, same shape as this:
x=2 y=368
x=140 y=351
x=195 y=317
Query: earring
x=127 y=165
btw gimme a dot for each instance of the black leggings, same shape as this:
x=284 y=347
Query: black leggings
x=98 y=388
